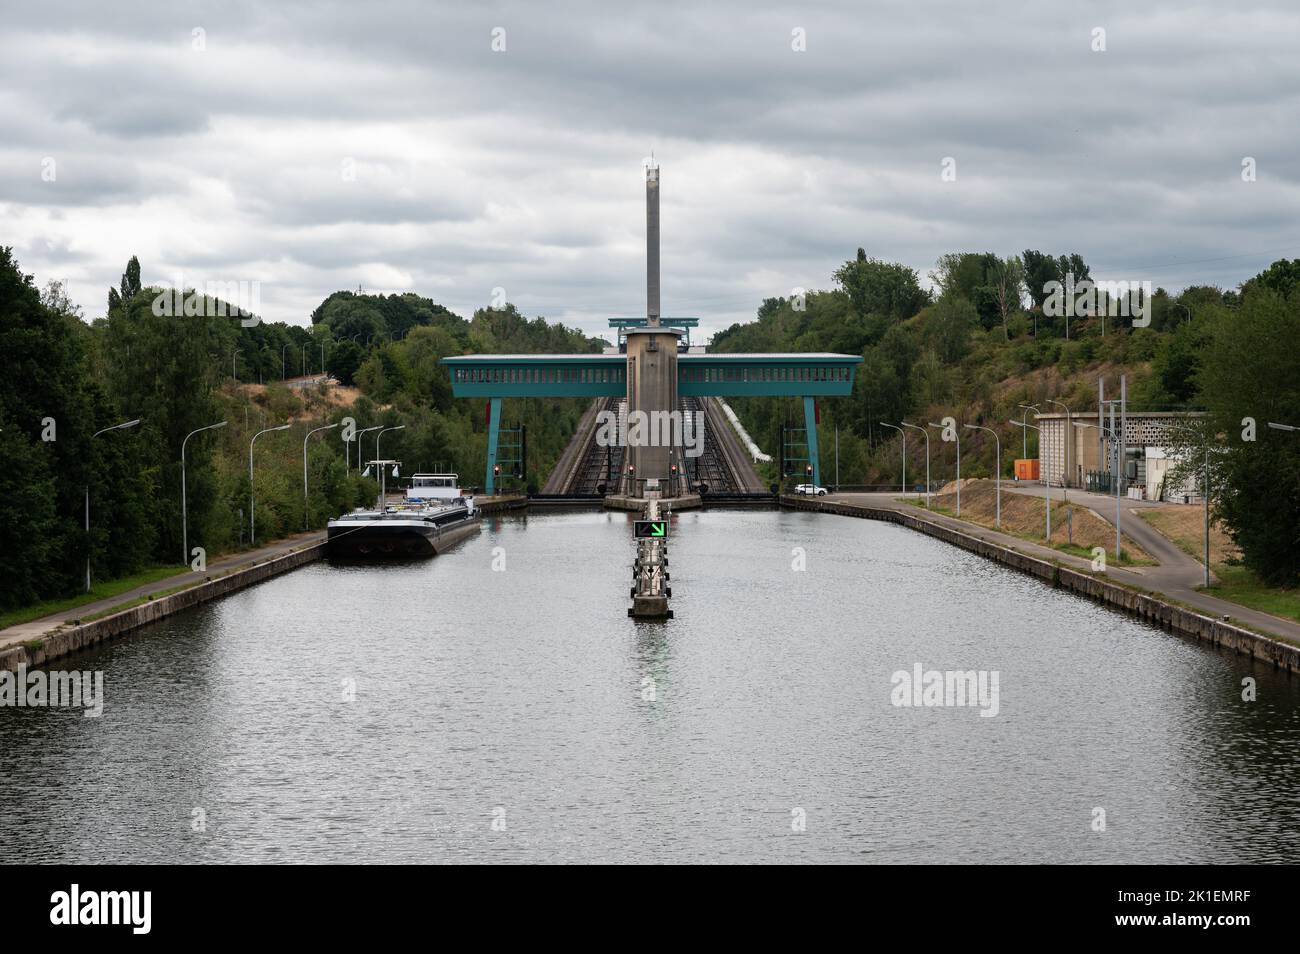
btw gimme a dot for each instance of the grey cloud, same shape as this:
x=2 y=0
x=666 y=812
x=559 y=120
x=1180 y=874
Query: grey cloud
x=520 y=168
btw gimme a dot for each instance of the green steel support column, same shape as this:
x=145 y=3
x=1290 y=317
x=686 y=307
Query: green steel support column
x=810 y=422
x=494 y=426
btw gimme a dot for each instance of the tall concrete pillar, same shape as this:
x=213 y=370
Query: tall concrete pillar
x=652 y=390
x=652 y=242
x=651 y=366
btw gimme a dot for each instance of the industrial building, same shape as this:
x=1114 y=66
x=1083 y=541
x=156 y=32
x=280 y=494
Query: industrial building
x=1074 y=452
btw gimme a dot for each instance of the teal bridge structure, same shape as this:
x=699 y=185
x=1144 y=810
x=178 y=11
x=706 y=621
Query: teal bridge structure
x=497 y=376
x=684 y=325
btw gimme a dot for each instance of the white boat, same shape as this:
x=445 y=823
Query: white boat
x=437 y=487
x=435 y=515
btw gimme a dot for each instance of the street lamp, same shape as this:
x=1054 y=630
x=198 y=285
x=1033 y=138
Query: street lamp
x=304 y=360
x=382 y=432
x=252 y=494
x=185 y=534
x=1207 y=511
x=997 y=481
x=305 y=504
x=927 y=459
x=1047 y=484
x=904 y=435
x=958 y=435
x=1024 y=435
x=115 y=427
x=284 y=368
x=359 y=433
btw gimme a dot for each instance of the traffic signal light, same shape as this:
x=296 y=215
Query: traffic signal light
x=496 y=470
x=808 y=469
x=674 y=470
x=631 y=469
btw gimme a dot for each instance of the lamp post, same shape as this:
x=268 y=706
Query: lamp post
x=185 y=531
x=904 y=436
x=366 y=430
x=927 y=459
x=252 y=493
x=306 y=507
x=115 y=427
x=1024 y=435
x=304 y=360
x=958 y=437
x=1207 y=512
x=997 y=481
x=381 y=433
x=1047 y=484
x=284 y=368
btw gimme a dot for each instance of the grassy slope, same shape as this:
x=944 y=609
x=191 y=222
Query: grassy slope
x=99 y=591
x=1023 y=516
x=1185 y=526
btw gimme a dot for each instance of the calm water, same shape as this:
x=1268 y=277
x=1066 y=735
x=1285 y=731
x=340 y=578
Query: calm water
x=518 y=697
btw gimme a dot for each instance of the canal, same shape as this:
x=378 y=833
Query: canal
x=495 y=704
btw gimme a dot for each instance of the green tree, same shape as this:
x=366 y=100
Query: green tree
x=1007 y=280
x=48 y=413
x=29 y=525
x=881 y=291
x=1282 y=277
x=948 y=325
x=344 y=360
x=1250 y=368
x=159 y=369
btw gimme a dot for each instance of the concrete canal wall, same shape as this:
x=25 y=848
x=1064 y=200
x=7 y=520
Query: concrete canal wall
x=500 y=504
x=1146 y=606
x=71 y=639
x=74 y=638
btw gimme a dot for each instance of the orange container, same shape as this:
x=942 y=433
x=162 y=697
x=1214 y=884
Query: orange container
x=1027 y=469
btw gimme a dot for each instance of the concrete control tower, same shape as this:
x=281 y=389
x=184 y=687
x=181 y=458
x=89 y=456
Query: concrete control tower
x=652 y=364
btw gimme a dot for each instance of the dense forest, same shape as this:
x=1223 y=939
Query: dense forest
x=67 y=383
x=984 y=342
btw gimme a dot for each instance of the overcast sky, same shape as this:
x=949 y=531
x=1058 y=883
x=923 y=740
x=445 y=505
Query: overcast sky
x=224 y=154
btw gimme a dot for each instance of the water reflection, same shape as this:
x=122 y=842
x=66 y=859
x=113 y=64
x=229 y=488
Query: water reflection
x=396 y=713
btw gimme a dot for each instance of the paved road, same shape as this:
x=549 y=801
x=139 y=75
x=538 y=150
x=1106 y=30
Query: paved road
x=39 y=627
x=1177 y=576
x=1176 y=566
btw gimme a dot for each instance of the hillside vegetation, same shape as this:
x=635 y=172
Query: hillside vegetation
x=988 y=340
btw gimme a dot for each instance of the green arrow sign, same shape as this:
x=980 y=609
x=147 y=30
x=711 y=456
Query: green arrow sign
x=651 y=528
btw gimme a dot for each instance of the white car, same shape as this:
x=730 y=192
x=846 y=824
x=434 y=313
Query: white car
x=810 y=490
